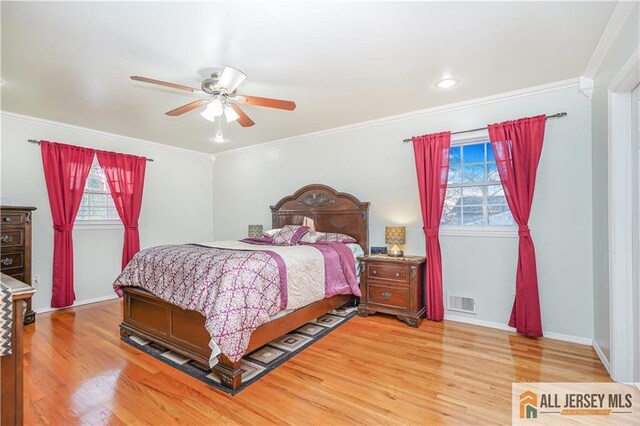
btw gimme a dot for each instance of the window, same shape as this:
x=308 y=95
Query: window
x=97 y=204
x=474 y=197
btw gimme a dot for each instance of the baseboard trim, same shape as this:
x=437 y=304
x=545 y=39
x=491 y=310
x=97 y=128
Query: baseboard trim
x=79 y=303
x=505 y=327
x=603 y=359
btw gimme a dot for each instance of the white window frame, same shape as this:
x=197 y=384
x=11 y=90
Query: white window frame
x=476 y=231
x=97 y=224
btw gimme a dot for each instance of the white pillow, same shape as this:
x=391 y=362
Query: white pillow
x=271 y=232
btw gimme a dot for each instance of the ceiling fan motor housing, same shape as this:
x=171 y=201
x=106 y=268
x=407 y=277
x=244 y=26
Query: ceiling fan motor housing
x=210 y=85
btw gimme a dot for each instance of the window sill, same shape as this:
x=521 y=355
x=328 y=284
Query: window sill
x=87 y=225
x=492 y=232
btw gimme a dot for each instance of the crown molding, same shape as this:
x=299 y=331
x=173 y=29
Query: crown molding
x=515 y=94
x=156 y=145
x=586 y=87
x=620 y=14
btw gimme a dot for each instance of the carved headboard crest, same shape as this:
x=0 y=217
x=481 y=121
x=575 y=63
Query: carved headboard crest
x=316 y=199
x=332 y=211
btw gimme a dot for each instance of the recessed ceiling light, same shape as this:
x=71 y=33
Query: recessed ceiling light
x=446 y=83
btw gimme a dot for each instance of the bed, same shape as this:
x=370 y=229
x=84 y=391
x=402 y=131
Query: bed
x=183 y=331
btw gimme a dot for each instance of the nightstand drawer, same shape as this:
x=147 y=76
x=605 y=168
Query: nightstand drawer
x=388 y=272
x=387 y=296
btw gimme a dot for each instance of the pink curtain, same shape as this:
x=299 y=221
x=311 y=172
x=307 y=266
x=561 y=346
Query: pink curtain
x=432 y=166
x=66 y=169
x=125 y=175
x=517 y=146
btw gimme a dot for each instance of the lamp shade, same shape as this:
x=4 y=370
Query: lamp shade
x=255 y=231
x=395 y=234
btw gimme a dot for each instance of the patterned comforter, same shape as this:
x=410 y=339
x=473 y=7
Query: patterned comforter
x=237 y=286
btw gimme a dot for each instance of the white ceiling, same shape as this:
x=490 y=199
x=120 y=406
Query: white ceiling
x=341 y=63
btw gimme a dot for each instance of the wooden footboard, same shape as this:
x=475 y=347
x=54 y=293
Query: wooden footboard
x=183 y=331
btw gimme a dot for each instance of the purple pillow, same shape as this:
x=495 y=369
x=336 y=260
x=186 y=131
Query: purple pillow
x=337 y=237
x=289 y=235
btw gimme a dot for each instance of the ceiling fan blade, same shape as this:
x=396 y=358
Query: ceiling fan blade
x=231 y=78
x=244 y=119
x=164 y=83
x=188 y=107
x=267 y=102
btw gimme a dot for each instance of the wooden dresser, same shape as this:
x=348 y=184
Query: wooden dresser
x=15 y=247
x=393 y=285
x=11 y=366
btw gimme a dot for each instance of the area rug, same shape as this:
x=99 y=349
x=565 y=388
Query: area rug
x=259 y=362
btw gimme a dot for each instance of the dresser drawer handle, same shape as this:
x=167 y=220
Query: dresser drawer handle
x=397 y=274
x=7 y=261
x=374 y=272
x=7 y=239
x=6 y=219
x=386 y=295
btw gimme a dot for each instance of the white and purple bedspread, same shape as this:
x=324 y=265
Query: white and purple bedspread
x=237 y=285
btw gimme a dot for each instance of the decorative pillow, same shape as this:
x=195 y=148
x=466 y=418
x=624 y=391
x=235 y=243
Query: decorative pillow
x=311 y=236
x=336 y=237
x=289 y=235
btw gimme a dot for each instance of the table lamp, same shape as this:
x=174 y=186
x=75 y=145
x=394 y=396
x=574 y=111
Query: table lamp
x=395 y=235
x=255 y=231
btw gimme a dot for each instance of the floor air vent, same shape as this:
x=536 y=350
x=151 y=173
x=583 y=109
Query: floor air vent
x=462 y=304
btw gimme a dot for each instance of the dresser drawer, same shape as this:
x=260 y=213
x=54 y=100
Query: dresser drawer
x=11 y=237
x=388 y=296
x=397 y=274
x=11 y=260
x=11 y=218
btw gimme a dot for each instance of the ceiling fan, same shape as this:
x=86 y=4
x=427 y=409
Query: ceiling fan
x=222 y=97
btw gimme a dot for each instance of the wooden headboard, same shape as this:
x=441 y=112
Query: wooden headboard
x=331 y=211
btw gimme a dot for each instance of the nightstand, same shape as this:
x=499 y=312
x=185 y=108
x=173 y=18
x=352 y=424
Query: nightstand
x=393 y=285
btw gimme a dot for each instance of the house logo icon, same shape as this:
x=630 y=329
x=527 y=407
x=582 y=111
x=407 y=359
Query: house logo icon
x=528 y=405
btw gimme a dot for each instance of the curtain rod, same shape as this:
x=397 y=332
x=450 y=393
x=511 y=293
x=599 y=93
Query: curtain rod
x=557 y=115
x=38 y=142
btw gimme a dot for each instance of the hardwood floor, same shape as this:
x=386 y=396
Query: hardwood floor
x=77 y=371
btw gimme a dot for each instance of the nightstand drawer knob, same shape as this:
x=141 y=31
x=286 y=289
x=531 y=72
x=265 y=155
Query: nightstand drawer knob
x=6 y=219
x=397 y=274
x=386 y=295
x=374 y=272
x=7 y=261
x=7 y=239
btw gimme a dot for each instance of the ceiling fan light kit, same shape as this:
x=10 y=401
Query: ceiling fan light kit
x=230 y=114
x=223 y=99
x=213 y=110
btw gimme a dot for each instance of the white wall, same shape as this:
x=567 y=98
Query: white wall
x=176 y=208
x=621 y=48
x=372 y=163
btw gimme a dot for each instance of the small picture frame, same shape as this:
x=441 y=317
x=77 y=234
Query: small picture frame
x=378 y=250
